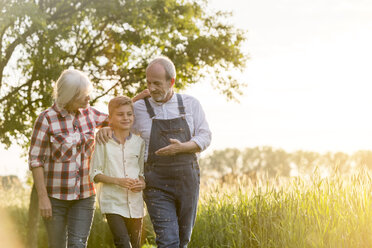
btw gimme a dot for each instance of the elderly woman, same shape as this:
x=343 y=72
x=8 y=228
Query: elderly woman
x=61 y=147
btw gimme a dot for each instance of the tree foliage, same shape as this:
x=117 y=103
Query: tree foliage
x=112 y=41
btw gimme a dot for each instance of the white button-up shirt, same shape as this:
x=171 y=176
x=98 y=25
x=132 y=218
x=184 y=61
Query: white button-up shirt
x=195 y=118
x=122 y=161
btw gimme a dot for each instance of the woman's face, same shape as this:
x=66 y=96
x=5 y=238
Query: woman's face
x=81 y=101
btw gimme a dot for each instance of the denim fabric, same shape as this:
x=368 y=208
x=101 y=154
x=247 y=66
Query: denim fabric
x=164 y=129
x=172 y=182
x=126 y=231
x=171 y=197
x=70 y=223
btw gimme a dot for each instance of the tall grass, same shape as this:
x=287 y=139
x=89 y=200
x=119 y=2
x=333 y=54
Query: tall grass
x=330 y=212
x=320 y=212
x=14 y=204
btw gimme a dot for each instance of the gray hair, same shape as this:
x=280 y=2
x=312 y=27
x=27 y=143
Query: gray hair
x=71 y=85
x=170 y=69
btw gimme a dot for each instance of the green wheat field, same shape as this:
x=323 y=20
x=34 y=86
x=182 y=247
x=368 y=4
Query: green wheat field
x=315 y=212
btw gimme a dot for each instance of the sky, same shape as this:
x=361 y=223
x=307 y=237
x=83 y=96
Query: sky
x=309 y=79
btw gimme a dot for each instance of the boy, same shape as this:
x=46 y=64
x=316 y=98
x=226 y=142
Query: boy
x=118 y=167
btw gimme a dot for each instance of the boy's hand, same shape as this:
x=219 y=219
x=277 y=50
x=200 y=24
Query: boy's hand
x=126 y=182
x=139 y=185
x=103 y=135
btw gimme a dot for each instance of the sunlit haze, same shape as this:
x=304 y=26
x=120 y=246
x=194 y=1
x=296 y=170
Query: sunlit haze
x=309 y=80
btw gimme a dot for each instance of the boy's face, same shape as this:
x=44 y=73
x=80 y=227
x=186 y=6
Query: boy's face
x=122 y=118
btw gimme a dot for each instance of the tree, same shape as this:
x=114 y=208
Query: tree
x=273 y=162
x=112 y=41
x=222 y=161
x=363 y=159
x=336 y=162
x=305 y=161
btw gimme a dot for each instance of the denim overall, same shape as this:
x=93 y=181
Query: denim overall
x=172 y=182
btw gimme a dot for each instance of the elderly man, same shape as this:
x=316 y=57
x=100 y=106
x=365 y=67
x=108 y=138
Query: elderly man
x=174 y=129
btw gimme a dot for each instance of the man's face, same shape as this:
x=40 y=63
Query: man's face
x=160 y=88
x=122 y=118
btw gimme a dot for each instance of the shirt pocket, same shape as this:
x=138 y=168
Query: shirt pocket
x=88 y=143
x=132 y=156
x=63 y=147
x=131 y=160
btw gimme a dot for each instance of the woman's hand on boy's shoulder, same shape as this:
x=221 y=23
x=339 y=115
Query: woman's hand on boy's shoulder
x=103 y=135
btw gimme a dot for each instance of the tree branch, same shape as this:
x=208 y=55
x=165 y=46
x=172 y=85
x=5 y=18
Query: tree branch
x=105 y=93
x=10 y=49
x=1 y=38
x=16 y=89
x=65 y=12
x=92 y=45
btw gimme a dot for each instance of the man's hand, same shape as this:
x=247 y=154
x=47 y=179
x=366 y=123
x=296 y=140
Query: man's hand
x=172 y=149
x=45 y=207
x=126 y=182
x=139 y=185
x=103 y=135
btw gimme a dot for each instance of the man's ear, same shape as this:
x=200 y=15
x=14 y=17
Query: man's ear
x=173 y=80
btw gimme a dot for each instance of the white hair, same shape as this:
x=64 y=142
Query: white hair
x=71 y=85
x=170 y=69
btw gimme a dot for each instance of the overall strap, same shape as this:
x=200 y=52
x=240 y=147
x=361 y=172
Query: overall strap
x=149 y=108
x=181 y=107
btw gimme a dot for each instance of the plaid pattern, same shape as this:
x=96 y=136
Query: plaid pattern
x=63 y=143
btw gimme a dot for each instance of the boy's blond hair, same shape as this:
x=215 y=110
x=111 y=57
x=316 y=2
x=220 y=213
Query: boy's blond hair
x=118 y=101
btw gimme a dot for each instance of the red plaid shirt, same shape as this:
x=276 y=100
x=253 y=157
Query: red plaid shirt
x=63 y=143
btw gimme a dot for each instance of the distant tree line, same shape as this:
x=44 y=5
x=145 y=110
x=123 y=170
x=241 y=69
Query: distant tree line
x=277 y=162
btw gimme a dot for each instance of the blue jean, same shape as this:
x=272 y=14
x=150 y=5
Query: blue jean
x=126 y=231
x=71 y=221
x=171 y=197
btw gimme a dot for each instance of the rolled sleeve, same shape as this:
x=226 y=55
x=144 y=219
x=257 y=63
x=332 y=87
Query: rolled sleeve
x=39 y=148
x=100 y=118
x=98 y=161
x=199 y=142
x=202 y=134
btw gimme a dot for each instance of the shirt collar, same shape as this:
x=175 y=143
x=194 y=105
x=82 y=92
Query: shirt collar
x=172 y=99
x=64 y=112
x=117 y=140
